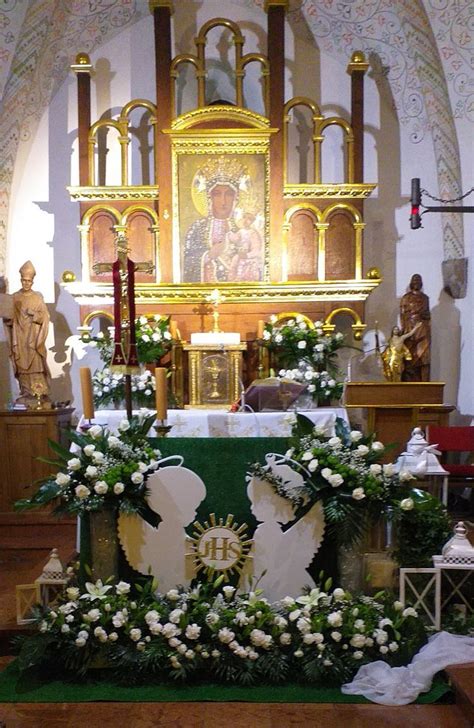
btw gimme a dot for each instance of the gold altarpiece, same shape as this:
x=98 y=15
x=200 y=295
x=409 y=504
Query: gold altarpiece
x=303 y=240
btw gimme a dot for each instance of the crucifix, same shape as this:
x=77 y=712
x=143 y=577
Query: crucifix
x=216 y=297
x=124 y=357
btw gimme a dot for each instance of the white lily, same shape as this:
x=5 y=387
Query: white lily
x=96 y=591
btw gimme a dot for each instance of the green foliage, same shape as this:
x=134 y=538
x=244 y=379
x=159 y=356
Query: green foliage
x=211 y=632
x=420 y=533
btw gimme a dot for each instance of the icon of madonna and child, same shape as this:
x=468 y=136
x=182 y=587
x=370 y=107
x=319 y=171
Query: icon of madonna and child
x=226 y=242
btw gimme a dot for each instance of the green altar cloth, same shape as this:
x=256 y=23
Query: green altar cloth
x=223 y=463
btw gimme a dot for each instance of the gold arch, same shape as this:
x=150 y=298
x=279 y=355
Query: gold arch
x=287 y=315
x=302 y=206
x=357 y=327
x=97 y=314
x=86 y=218
x=308 y=103
x=139 y=208
x=342 y=206
x=236 y=114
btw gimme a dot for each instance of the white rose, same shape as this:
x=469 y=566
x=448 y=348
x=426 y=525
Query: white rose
x=192 y=631
x=358 y=493
x=101 y=487
x=228 y=591
x=311 y=388
x=334 y=442
x=362 y=450
x=82 y=491
x=326 y=473
x=336 y=480
x=336 y=636
x=301 y=344
x=113 y=441
x=135 y=634
x=383 y=649
x=91 y=471
x=88 y=450
x=124 y=425
x=335 y=619
x=355 y=436
x=409 y=612
x=172 y=594
x=63 y=479
x=119 y=488
x=285 y=638
x=339 y=594
x=358 y=655
x=375 y=469
x=72 y=593
x=122 y=587
x=80 y=642
x=137 y=478
x=331 y=383
x=388 y=469
x=95 y=431
x=98 y=457
x=74 y=464
x=398 y=606
x=378 y=446
x=142 y=467
x=313 y=465
x=278 y=338
x=407 y=504
x=405 y=476
x=358 y=640
x=308 y=455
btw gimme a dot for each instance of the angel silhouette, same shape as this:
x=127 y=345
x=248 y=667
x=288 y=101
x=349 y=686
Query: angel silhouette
x=175 y=494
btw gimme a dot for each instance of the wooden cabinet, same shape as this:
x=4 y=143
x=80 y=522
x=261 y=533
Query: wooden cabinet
x=24 y=438
x=393 y=409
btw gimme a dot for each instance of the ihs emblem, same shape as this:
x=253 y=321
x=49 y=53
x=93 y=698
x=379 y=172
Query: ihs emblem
x=219 y=546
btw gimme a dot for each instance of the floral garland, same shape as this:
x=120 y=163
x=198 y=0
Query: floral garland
x=153 y=335
x=103 y=471
x=109 y=388
x=306 y=355
x=213 y=633
x=344 y=473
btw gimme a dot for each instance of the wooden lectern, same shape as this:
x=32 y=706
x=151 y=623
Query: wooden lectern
x=393 y=409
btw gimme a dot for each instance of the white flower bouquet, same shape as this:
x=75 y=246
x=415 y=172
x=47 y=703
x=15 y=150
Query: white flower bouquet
x=344 y=473
x=305 y=354
x=153 y=336
x=109 y=388
x=103 y=470
x=214 y=633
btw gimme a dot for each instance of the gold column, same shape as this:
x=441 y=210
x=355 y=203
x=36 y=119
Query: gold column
x=321 y=228
x=85 y=258
x=359 y=228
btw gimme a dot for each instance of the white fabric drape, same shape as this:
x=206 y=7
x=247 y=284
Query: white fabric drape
x=387 y=685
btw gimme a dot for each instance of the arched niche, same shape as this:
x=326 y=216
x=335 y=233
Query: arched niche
x=142 y=233
x=340 y=255
x=100 y=244
x=302 y=246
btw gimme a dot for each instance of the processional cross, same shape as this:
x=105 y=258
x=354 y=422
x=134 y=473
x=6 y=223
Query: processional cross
x=124 y=357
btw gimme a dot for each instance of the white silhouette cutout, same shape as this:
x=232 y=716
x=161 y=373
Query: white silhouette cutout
x=283 y=555
x=175 y=494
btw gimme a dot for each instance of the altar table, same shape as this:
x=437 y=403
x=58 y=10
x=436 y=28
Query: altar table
x=216 y=423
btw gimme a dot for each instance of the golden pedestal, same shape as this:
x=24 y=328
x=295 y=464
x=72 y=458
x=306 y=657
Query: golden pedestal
x=214 y=374
x=395 y=408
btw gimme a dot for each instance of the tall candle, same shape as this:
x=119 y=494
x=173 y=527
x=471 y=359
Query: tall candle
x=174 y=330
x=161 y=393
x=260 y=328
x=87 y=393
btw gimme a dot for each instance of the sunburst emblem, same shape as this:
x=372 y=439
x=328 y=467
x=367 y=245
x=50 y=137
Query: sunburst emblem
x=219 y=546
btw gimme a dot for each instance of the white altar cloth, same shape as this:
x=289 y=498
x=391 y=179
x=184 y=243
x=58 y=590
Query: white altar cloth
x=217 y=423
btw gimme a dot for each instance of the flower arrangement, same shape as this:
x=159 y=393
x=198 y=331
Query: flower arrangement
x=306 y=354
x=103 y=470
x=153 y=336
x=356 y=490
x=212 y=632
x=109 y=388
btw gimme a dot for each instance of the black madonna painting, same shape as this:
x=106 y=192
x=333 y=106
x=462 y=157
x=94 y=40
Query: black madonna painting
x=222 y=217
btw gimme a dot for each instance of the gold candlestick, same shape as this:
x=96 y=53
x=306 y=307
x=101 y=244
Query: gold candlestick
x=215 y=298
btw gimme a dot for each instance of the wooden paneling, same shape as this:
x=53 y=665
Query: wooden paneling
x=101 y=243
x=140 y=238
x=24 y=438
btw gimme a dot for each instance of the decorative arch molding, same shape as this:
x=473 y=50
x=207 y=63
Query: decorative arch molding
x=48 y=41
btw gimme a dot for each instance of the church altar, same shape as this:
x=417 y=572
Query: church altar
x=218 y=423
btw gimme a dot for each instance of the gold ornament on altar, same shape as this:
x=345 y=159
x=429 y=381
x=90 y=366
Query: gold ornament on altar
x=220 y=546
x=215 y=298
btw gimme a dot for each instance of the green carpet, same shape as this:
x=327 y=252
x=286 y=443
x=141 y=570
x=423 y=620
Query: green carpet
x=31 y=688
